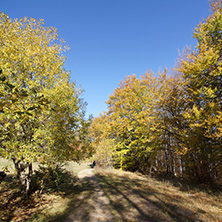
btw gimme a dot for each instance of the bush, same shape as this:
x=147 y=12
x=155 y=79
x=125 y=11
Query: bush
x=48 y=180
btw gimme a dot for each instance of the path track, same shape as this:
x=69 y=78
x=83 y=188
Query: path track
x=94 y=208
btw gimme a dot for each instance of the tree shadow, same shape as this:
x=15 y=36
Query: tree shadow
x=13 y=207
x=130 y=199
x=77 y=205
x=53 y=180
x=76 y=192
x=11 y=198
x=186 y=184
x=147 y=203
x=120 y=207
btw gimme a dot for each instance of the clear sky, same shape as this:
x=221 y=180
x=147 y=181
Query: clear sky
x=110 y=39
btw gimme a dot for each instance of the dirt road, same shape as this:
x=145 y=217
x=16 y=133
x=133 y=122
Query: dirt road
x=93 y=208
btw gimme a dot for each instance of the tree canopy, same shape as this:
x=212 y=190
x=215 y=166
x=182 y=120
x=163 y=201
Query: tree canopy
x=172 y=124
x=42 y=114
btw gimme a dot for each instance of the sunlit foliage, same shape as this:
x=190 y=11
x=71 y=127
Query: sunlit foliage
x=41 y=111
x=173 y=124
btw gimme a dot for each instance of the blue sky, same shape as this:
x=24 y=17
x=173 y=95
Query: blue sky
x=110 y=39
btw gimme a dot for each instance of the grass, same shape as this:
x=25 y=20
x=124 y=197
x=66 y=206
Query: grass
x=9 y=165
x=75 y=168
x=71 y=166
x=53 y=206
x=139 y=198
x=132 y=197
x=56 y=208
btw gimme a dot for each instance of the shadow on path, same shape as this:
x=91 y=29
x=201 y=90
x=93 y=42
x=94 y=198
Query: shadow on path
x=94 y=207
x=118 y=197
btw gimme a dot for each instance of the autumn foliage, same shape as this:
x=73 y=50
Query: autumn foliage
x=172 y=124
x=42 y=114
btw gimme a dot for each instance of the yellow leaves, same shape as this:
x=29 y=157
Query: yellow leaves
x=7 y=124
x=200 y=72
x=104 y=151
x=151 y=115
x=216 y=5
x=26 y=43
x=133 y=114
x=195 y=111
x=209 y=93
x=40 y=107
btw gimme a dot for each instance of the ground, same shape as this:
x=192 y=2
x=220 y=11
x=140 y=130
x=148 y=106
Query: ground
x=96 y=195
x=96 y=208
x=124 y=196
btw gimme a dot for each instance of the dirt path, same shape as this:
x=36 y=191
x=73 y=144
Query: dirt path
x=122 y=196
x=94 y=207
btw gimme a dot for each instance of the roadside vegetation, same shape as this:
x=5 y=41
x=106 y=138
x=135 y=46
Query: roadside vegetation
x=53 y=193
x=42 y=113
x=132 y=197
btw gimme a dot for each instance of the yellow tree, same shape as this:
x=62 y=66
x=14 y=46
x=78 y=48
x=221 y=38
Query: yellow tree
x=171 y=107
x=201 y=71
x=132 y=112
x=102 y=143
x=41 y=113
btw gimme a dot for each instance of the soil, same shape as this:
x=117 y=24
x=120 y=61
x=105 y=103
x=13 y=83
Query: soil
x=93 y=208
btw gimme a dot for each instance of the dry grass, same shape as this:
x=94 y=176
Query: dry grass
x=53 y=206
x=137 y=198
x=71 y=166
x=75 y=168
x=132 y=197
x=9 y=166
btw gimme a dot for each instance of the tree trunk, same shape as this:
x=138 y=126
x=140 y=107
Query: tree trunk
x=167 y=160
x=24 y=174
x=173 y=166
x=181 y=166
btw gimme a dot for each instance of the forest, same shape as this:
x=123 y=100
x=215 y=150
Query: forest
x=169 y=123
